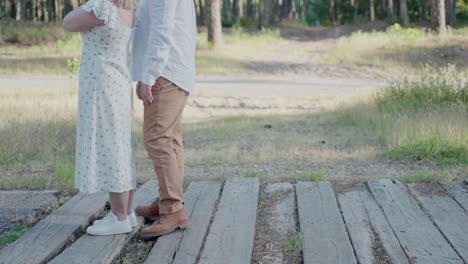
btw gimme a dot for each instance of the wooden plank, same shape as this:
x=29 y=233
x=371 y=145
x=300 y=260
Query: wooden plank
x=48 y=237
x=183 y=246
x=446 y=213
x=459 y=193
x=231 y=235
x=363 y=217
x=102 y=249
x=420 y=239
x=325 y=239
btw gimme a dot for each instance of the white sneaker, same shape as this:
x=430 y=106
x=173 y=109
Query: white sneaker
x=133 y=219
x=110 y=225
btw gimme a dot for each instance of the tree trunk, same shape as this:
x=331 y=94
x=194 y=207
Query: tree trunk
x=266 y=8
x=250 y=9
x=451 y=12
x=424 y=11
x=371 y=11
x=227 y=10
x=441 y=18
x=404 y=13
x=202 y=12
x=331 y=11
x=22 y=10
x=1 y=38
x=237 y=9
x=390 y=13
x=382 y=12
x=215 y=33
x=276 y=12
x=303 y=9
x=293 y=11
x=285 y=8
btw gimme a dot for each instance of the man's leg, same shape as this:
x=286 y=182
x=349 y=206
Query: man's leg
x=163 y=143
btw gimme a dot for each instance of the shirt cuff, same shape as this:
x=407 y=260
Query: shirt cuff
x=148 y=79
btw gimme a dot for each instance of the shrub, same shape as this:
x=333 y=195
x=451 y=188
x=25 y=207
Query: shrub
x=435 y=148
x=437 y=88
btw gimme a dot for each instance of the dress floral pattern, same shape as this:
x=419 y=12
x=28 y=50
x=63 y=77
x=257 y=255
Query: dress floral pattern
x=105 y=158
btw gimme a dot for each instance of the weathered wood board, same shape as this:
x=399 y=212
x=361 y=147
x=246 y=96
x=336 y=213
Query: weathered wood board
x=231 y=235
x=325 y=239
x=183 y=246
x=448 y=215
x=420 y=239
x=459 y=193
x=48 y=237
x=102 y=249
x=362 y=216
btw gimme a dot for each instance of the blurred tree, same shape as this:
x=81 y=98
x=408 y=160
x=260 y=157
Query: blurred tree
x=404 y=13
x=237 y=9
x=227 y=10
x=266 y=7
x=442 y=26
x=250 y=9
x=213 y=19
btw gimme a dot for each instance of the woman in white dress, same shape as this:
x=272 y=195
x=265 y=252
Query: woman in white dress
x=104 y=154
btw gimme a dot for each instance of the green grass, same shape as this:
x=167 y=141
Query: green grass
x=310 y=176
x=434 y=148
x=253 y=174
x=13 y=234
x=418 y=176
x=436 y=89
x=293 y=243
x=55 y=205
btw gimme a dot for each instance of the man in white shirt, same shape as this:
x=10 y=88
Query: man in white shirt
x=163 y=64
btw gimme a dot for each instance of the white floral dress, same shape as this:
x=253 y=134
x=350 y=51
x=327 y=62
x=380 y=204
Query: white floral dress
x=104 y=154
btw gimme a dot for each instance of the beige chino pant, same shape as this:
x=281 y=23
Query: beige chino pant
x=163 y=142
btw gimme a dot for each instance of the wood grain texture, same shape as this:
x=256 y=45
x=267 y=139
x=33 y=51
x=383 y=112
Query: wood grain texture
x=48 y=237
x=420 y=239
x=231 y=235
x=448 y=216
x=325 y=239
x=183 y=246
x=362 y=216
x=459 y=193
x=102 y=249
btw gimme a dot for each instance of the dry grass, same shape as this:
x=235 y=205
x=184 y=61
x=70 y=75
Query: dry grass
x=240 y=49
x=37 y=130
x=399 y=51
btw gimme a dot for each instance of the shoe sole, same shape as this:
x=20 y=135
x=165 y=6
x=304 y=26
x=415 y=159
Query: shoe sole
x=108 y=234
x=183 y=225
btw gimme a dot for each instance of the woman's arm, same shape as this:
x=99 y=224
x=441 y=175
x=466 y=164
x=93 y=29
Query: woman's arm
x=79 y=20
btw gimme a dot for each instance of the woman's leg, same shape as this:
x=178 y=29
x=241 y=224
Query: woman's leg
x=119 y=204
x=130 y=201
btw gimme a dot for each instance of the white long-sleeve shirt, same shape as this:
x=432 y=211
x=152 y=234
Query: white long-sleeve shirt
x=164 y=42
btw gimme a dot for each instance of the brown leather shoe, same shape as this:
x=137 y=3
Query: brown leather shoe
x=166 y=223
x=149 y=211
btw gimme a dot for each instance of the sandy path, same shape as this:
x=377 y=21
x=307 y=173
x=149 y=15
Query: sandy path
x=236 y=86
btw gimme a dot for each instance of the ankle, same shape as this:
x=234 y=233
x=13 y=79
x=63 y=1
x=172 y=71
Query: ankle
x=120 y=217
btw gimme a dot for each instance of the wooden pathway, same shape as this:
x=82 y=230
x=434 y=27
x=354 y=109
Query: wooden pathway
x=381 y=221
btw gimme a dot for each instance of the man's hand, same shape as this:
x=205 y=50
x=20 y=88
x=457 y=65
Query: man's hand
x=144 y=93
x=138 y=91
